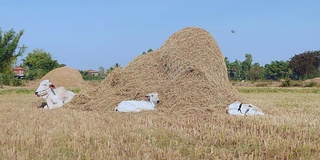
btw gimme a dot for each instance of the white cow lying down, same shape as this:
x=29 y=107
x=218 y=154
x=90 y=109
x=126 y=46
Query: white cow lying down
x=55 y=97
x=137 y=106
x=238 y=108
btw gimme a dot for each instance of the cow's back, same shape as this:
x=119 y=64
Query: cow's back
x=133 y=106
x=64 y=94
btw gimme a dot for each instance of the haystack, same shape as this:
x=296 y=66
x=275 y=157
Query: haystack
x=188 y=72
x=314 y=80
x=64 y=76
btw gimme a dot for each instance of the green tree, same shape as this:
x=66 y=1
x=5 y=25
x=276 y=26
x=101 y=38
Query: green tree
x=38 y=63
x=256 y=72
x=8 y=55
x=278 y=70
x=117 y=65
x=102 y=71
x=305 y=65
x=235 y=70
x=238 y=70
x=246 y=65
x=149 y=50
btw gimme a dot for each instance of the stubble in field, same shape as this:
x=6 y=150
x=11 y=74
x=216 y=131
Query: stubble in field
x=290 y=131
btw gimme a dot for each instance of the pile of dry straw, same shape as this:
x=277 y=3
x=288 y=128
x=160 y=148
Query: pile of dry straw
x=63 y=76
x=188 y=72
x=314 y=80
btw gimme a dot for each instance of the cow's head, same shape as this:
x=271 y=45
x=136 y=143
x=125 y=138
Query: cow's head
x=153 y=97
x=44 y=88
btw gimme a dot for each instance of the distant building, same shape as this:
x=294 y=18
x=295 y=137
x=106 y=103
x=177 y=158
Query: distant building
x=92 y=72
x=18 y=72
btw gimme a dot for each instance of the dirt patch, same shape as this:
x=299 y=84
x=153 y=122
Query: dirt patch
x=188 y=72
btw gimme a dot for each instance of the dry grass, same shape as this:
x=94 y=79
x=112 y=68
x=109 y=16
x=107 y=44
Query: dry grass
x=290 y=131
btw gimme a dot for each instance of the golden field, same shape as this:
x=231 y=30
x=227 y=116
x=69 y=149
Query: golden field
x=291 y=130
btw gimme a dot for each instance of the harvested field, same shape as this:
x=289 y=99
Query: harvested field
x=290 y=131
x=188 y=72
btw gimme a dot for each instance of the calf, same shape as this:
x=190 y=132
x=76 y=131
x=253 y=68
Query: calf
x=238 y=108
x=55 y=97
x=137 y=106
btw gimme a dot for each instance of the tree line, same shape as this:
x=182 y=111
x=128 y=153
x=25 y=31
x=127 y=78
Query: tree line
x=299 y=67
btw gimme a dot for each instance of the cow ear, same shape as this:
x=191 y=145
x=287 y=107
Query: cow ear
x=52 y=86
x=146 y=97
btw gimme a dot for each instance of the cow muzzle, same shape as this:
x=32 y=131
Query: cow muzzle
x=40 y=93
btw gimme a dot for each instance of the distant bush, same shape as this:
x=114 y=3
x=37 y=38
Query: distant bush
x=9 y=80
x=17 y=82
x=287 y=83
x=6 y=79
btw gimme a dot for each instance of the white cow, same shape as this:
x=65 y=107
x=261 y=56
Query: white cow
x=55 y=97
x=238 y=108
x=137 y=106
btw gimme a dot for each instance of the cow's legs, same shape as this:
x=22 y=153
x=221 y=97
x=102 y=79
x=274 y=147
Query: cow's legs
x=46 y=107
x=58 y=105
x=68 y=96
x=49 y=104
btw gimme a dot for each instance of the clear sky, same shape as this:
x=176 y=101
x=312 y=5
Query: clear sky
x=87 y=34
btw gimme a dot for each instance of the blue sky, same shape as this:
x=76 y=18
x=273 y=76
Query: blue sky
x=89 y=34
